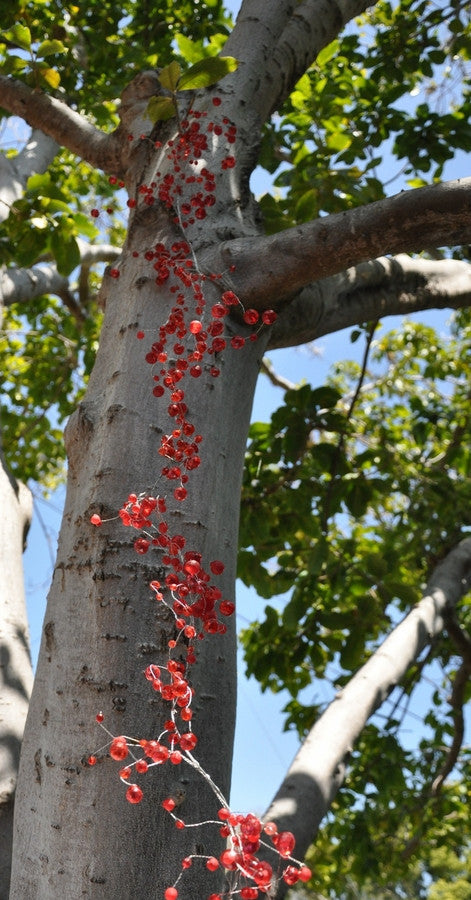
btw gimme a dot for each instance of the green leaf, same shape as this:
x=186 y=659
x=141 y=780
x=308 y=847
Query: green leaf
x=170 y=75
x=66 y=252
x=159 y=109
x=49 y=48
x=206 y=72
x=19 y=35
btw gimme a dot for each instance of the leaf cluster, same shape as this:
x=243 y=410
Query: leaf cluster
x=54 y=45
x=357 y=106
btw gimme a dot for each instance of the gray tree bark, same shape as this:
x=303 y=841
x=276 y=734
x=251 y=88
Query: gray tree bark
x=16 y=675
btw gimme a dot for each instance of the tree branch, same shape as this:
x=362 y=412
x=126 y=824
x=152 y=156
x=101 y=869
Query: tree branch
x=23 y=285
x=457 y=701
x=276 y=379
x=63 y=124
x=281 y=264
x=379 y=288
x=319 y=768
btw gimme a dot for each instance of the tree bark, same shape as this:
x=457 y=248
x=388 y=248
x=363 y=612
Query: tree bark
x=16 y=676
x=102 y=624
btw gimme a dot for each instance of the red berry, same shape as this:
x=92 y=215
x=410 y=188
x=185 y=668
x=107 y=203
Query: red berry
x=95 y=213
x=96 y=519
x=168 y=804
x=269 y=316
x=171 y=893
x=212 y=864
x=91 y=760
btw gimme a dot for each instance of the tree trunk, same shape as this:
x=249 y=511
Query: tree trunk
x=16 y=675
x=75 y=834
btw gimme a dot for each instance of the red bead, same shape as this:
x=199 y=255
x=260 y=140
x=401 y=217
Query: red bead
x=188 y=741
x=212 y=864
x=305 y=873
x=251 y=316
x=284 y=843
x=134 y=794
x=291 y=875
x=119 y=748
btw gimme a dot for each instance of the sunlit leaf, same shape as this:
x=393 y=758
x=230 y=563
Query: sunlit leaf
x=207 y=72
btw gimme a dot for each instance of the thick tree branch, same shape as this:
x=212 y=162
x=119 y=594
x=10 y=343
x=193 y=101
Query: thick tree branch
x=67 y=127
x=319 y=768
x=382 y=287
x=279 y=265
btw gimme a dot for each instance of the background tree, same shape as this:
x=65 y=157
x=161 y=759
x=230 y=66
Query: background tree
x=314 y=514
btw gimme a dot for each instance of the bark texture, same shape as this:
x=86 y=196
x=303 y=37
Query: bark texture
x=381 y=287
x=16 y=675
x=103 y=625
